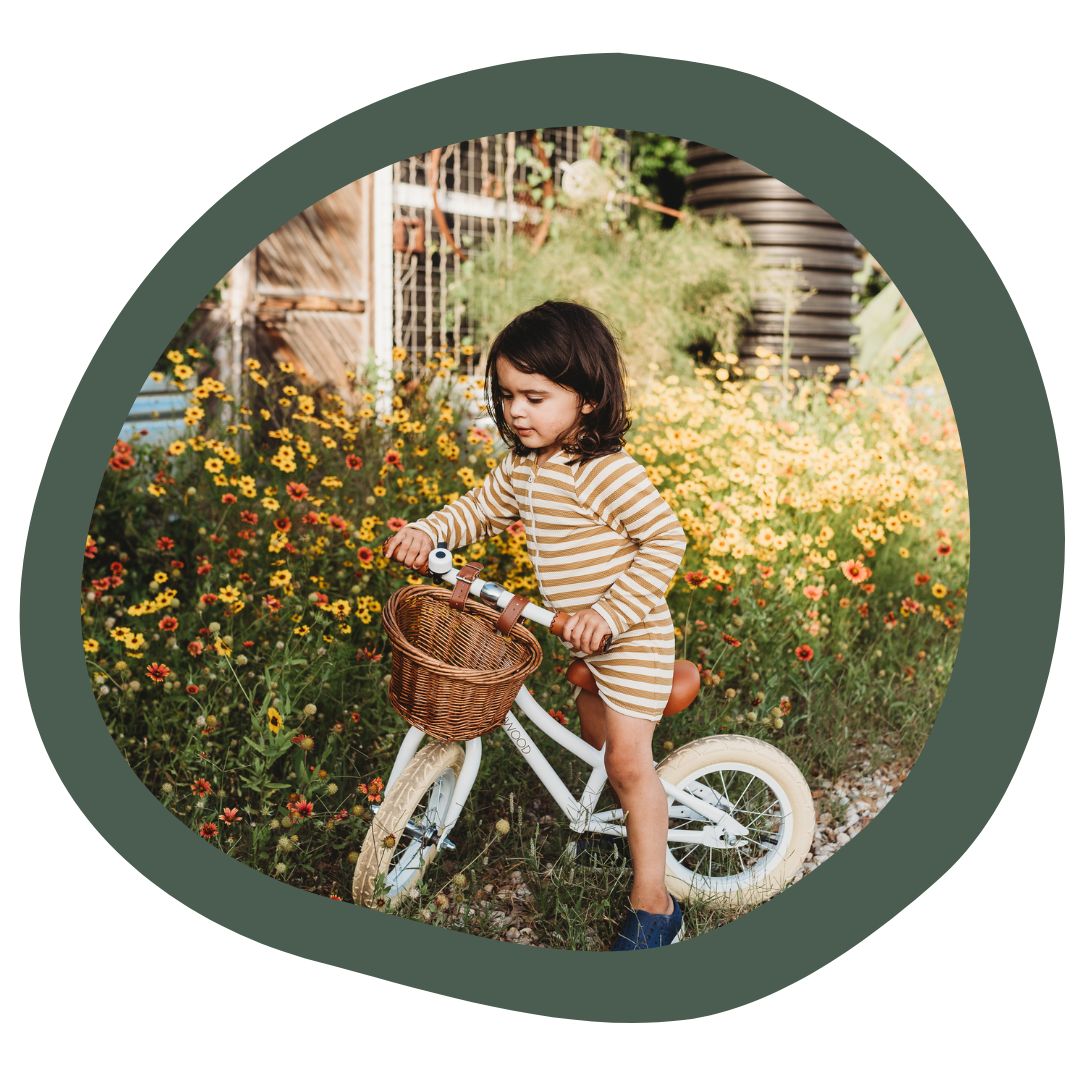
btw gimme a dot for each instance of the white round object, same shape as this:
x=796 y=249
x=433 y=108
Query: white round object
x=585 y=181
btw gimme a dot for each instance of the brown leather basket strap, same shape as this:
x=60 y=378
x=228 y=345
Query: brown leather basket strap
x=466 y=576
x=510 y=614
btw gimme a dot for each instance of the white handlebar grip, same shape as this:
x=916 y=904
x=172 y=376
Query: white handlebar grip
x=440 y=560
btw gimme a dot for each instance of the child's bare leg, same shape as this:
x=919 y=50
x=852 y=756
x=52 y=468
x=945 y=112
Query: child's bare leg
x=628 y=759
x=590 y=709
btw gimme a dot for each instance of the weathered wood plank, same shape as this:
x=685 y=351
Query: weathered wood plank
x=294 y=300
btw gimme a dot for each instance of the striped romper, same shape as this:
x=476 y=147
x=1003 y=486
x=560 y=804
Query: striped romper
x=600 y=535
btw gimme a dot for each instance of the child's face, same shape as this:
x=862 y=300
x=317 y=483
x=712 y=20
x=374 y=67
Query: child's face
x=542 y=413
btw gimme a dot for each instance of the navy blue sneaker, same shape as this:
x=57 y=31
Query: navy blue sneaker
x=647 y=930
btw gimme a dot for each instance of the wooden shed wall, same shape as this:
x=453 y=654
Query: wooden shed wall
x=312 y=286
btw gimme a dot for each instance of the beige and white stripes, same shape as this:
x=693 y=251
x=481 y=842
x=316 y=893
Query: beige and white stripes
x=600 y=535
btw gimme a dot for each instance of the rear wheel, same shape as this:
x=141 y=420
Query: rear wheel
x=404 y=836
x=762 y=789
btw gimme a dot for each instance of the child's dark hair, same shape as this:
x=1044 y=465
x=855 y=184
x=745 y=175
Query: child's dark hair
x=571 y=345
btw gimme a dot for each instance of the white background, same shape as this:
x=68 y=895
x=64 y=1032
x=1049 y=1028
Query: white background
x=125 y=123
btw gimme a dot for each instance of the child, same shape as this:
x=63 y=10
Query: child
x=604 y=545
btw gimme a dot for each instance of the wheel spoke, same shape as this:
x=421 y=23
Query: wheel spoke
x=744 y=791
x=408 y=855
x=757 y=817
x=757 y=808
x=766 y=846
x=723 y=783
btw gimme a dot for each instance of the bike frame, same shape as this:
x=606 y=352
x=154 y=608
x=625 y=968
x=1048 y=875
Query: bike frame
x=725 y=832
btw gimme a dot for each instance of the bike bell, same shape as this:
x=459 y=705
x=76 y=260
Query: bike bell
x=440 y=560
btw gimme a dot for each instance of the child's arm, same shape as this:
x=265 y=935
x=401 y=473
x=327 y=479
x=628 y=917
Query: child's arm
x=618 y=490
x=476 y=515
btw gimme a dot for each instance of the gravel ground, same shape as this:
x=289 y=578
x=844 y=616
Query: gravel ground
x=849 y=803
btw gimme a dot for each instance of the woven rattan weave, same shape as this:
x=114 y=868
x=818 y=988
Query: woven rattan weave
x=454 y=674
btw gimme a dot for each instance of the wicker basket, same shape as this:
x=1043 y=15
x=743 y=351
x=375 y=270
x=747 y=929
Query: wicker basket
x=454 y=674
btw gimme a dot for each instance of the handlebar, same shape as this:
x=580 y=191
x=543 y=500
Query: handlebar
x=441 y=567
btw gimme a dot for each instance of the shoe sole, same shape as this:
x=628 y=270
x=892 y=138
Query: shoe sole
x=678 y=937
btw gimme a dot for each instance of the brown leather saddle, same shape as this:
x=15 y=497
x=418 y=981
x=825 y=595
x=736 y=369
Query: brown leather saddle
x=685 y=683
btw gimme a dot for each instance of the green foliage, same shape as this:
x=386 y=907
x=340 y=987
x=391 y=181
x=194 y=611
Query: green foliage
x=654 y=153
x=662 y=290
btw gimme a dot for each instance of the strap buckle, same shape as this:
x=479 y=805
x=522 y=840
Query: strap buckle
x=466 y=576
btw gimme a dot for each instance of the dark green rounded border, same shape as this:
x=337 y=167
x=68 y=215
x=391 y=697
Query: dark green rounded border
x=1016 y=501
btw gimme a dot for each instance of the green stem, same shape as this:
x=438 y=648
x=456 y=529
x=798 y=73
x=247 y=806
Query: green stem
x=686 y=623
x=243 y=689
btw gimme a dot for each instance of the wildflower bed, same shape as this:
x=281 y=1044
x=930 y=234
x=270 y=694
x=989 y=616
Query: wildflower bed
x=233 y=588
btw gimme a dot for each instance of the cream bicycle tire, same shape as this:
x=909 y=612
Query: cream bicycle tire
x=434 y=764
x=795 y=814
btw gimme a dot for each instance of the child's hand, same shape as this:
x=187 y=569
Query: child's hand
x=409 y=546
x=586 y=630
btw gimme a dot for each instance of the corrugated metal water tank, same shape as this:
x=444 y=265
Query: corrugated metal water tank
x=785 y=226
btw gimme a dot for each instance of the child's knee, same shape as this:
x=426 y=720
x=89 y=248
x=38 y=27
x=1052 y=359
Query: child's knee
x=625 y=765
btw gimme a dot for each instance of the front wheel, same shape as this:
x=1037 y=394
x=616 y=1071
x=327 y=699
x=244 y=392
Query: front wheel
x=405 y=834
x=763 y=789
